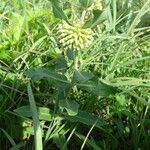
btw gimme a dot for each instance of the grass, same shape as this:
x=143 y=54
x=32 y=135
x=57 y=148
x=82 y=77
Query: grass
x=87 y=96
x=36 y=122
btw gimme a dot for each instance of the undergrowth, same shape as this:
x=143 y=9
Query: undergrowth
x=75 y=74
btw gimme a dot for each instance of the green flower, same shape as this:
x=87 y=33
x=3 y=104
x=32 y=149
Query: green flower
x=97 y=4
x=74 y=36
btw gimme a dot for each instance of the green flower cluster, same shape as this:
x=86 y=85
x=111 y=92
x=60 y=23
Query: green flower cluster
x=97 y=4
x=74 y=36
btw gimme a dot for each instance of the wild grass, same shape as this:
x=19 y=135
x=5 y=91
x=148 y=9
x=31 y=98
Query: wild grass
x=95 y=98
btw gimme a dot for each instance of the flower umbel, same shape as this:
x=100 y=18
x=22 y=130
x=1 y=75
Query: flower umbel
x=74 y=36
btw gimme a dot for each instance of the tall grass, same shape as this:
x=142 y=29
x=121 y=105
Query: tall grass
x=97 y=98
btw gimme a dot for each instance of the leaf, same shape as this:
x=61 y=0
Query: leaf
x=61 y=64
x=90 y=142
x=18 y=146
x=15 y=29
x=9 y=137
x=43 y=112
x=86 y=118
x=38 y=42
x=36 y=122
x=82 y=77
x=70 y=106
x=58 y=80
x=121 y=100
x=98 y=89
x=59 y=140
x=4 y=54
x=58 y=12
x=24 y=111
x=128 y=114
x=98 y=18
x=87 y=81
x=86 y=3
x=120 y=126
x=71 y=54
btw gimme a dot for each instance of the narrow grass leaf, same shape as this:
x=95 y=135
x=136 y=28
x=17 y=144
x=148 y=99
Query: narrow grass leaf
x=36 y=122
x=9 y=137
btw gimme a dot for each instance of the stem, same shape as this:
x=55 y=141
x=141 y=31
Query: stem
x=76 y=63
x=75 y=69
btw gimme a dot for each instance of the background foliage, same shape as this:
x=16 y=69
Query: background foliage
x=75 y=74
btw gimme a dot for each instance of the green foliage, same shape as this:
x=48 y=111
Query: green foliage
x=74 y=74
x=89 y=82
x=98 y=18
x=43 y=112
x=58 y=12
x=86 y=3
x=87 y=119
x=70 y=106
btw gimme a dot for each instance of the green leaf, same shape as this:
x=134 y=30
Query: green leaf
x=58 y=80
x=15 y=29
x=82 y=77
x=128 y=114
x=36 y=122
x=121 y=100
x=59 y=140
x=58 y=12
x=87 y=81
x=120 y=126
x=98 y=18
x=3 y=53
x=9 y=137
x=18 y=146
x=86 y=3
x=98 y=89
x=71 y=54
x=43 y=112
x=70 y=106
x=87 y=118
x=24 y=111
x=90 y=142
x=61 y=64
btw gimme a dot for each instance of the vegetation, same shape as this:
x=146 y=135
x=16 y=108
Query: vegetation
x=75 y=74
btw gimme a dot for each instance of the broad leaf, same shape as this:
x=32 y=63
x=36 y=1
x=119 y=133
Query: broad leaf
x=58 y=12
x=43 y=112
x=82 y=77
x=86 y=118
x=71 y=54
x=59 y=140
x=58 y=80
x=99 y=88
x=87 y=81
x=70 y=106
x=61 y=64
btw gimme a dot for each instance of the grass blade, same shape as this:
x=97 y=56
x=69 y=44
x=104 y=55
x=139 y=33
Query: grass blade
x=36 y=122
x=9 y=137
